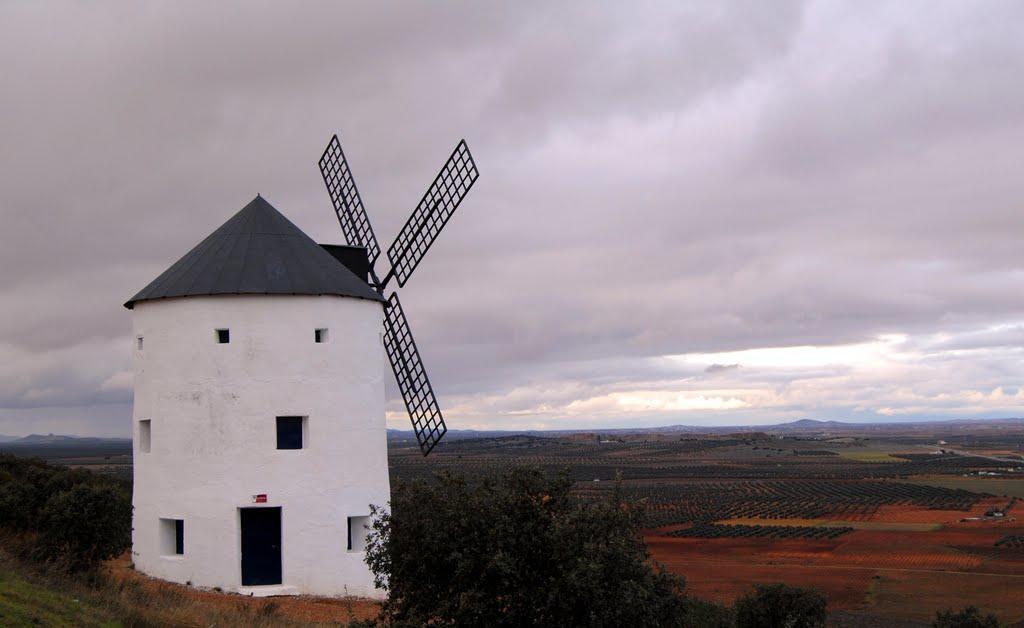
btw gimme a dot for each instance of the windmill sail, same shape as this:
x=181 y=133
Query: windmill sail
x=412 y=379
x=347 y=203
x=437 y=206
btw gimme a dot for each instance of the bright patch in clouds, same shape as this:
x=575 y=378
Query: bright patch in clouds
x=654 y=401
x=865 y=354
x=894 y=376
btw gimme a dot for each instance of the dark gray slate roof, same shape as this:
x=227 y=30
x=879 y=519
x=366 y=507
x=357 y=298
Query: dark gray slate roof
x=257 y=251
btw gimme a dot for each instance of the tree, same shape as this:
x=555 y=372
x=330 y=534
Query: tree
x=968 y=617
x=71 y=517
x=513 y=550
x=81 y=526
x=781 y=606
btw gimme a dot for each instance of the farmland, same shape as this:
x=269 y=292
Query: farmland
x=888 y=524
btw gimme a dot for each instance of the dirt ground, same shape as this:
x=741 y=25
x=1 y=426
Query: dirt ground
x=300 y=608
x=901 y=573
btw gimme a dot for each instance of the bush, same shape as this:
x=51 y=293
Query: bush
x=781 y=606
x=84 y=525
x=968 y=617
x=704 y=614
x=71 y=517
x=515 y=550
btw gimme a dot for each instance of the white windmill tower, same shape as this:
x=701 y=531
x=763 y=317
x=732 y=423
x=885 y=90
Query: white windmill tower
x=259 y=432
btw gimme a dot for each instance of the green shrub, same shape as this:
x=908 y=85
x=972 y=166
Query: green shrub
x=70 y=517
x=515 y=550
x=84 y=525
x=968 y=617
x=781 y=606
x=704 y=614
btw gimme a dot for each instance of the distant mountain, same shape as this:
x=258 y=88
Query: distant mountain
x=60 y=439
x=798 y=426
x=40 y=439
x=813 y=424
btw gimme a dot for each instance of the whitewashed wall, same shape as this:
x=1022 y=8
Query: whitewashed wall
x=213 y=408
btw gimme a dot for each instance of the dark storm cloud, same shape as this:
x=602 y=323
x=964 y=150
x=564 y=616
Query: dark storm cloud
x=657 y=179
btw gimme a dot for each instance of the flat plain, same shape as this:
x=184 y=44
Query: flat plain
x=891 y=523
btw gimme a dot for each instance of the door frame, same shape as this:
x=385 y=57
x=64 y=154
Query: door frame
x=241 y=542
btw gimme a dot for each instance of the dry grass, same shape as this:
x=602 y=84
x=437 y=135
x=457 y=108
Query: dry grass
x=119 y=596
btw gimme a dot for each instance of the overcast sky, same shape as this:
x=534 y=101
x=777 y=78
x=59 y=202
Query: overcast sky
x=711 y=213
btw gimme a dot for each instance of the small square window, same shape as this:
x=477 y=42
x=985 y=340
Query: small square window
x=291 y=432
x=358 y=528
x=172 y=537
x=223 y=336
x=138 y=343
x=145 y=435
x=320 y=335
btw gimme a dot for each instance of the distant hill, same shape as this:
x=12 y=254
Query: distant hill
x=806 y=426
x=55 y=447
x=61 y=439
x=812 y=424
x=39 y=439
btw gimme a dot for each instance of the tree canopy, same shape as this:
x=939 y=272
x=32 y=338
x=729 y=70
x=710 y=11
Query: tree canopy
x=512 y=550
x=69 y=517
x=968 y=617
x=781 y=606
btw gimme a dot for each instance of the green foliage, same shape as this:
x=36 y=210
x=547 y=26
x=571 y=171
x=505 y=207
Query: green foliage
x=74 y=518
x=515 y=550
x=84 y=525
x=968 y=617
x=704 y=614
x=781 y=606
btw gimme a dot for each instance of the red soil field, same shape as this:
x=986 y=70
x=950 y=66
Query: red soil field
x=908 y=574
x=916 y=514
x=916 y=595
x=723 y=569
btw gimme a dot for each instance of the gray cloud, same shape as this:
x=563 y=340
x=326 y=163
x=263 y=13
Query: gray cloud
x=719 y=368
x=657 y=179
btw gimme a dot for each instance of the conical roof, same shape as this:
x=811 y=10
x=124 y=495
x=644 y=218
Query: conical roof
x=257 y=251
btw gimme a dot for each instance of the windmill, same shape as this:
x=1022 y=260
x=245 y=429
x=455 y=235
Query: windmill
x=419 y=233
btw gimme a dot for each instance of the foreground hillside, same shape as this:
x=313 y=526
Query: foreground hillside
x=123 y=597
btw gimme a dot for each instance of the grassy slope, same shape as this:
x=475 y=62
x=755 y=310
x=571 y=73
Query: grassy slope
x=31 y=595
x=23 y=603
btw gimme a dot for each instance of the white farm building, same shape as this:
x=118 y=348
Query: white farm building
x=259 y=434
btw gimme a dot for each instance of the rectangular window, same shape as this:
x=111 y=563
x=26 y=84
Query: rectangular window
x=320 y=335
x=172 y=537
x=145 y=435
x=291 y=432
x=138 y=342
x=223 y=336
x=358 y=528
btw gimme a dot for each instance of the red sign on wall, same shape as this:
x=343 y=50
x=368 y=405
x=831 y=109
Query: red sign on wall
x=259 y=499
